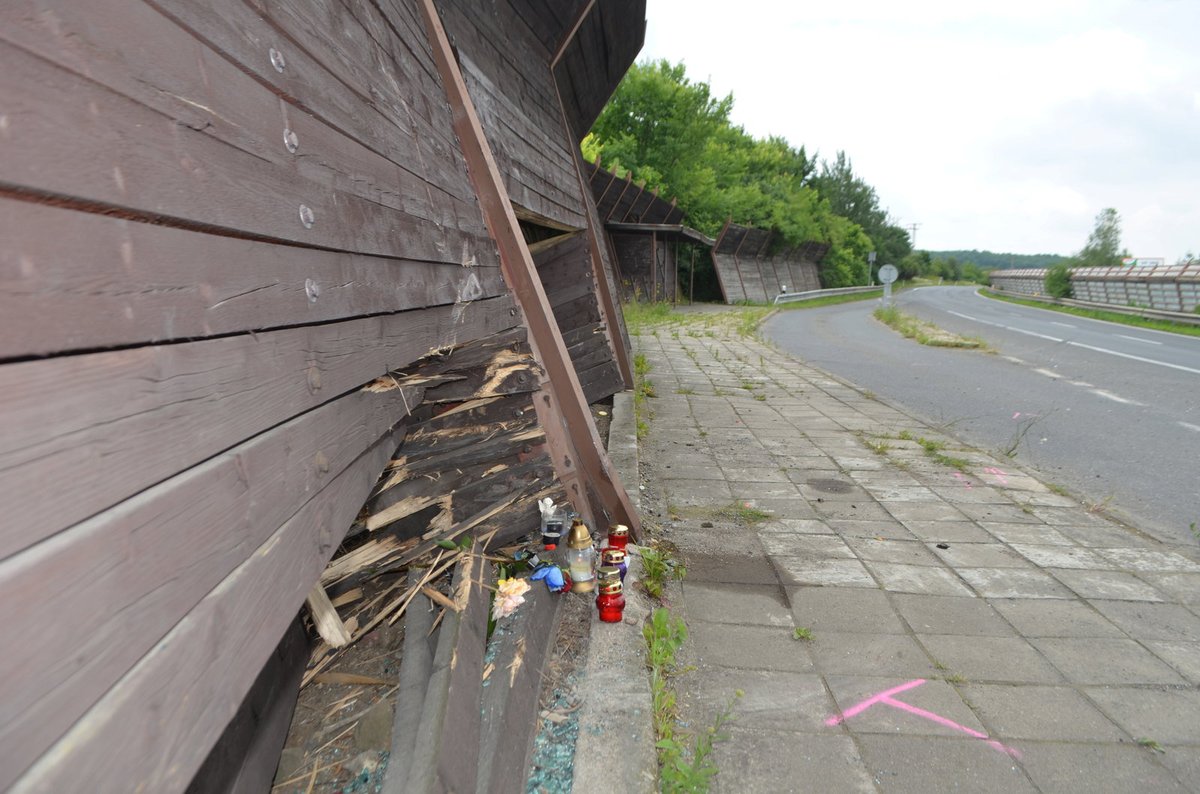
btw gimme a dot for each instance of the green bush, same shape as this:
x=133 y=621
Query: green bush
x=1058 y=281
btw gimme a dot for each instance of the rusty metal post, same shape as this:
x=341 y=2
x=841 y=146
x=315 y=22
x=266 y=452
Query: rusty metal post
x=692 y=278
x=653 y=267
x=579 y=460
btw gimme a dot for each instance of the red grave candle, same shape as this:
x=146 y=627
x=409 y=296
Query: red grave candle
x=618 y=536
x=610 y=601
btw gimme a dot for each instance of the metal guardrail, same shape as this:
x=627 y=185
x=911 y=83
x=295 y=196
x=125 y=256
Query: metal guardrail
x=790 y=297
x=1183 y=318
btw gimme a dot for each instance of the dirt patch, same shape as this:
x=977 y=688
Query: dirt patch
x=341 y=730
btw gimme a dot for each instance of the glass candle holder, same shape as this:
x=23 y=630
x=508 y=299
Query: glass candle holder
x=611 y=600
x=581 y=558
x=617 y=558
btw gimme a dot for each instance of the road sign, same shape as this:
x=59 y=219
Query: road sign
x=888 y=274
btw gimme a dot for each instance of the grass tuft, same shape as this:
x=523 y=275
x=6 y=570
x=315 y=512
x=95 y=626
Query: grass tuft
x=921 y=331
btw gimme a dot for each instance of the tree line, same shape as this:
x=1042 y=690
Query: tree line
x=675 y=135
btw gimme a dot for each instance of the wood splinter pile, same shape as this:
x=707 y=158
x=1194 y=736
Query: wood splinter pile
x=472 y=464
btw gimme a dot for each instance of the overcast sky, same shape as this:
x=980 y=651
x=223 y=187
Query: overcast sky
x=1006 y=125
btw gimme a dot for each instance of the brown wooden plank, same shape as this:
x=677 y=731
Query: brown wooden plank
x=143 y=414
x=76 y=280
x=604 y=273
x=510 y=705
x=416 y=662
x=601 y=381
x=405 y=126
x=450 y=717
x=537 y=168
x=133 y=571
x=68 y=137
x=246 y=756
x=170 y=709
x=581 y=308
x=208 y=92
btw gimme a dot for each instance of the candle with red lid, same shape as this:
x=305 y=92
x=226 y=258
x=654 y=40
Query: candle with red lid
x=618 y=536
x=610 y=601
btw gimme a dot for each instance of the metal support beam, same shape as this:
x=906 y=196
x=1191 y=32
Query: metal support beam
x=610 y=310
x=579 y=459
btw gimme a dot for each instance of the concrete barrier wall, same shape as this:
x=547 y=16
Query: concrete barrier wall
x=1169 y=288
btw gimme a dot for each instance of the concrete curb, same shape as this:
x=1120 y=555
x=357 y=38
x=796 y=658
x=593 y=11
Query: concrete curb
x=615 y=749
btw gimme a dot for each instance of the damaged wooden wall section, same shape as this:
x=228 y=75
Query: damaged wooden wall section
x=255 y=290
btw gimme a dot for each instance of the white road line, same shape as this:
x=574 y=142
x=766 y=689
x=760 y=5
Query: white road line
x=1136 y=358
x=1139 y=339
x=1064 y=325
x=1033 y=333
x=1191 y=426
x=1048 y=373
x=964 y=316
x=1114 y=397
x=1082 y=383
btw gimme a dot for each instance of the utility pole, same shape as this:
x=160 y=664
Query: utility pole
x=912 y=238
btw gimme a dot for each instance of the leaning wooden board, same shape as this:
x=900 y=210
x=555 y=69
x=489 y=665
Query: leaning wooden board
x=171 y=707
x=135 y=570
x=143 y=414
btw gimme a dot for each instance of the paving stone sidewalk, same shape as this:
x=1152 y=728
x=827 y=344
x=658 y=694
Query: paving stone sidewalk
x=971 y=630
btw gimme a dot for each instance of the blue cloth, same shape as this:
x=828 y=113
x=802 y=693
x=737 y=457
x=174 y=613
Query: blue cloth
x=552 y=575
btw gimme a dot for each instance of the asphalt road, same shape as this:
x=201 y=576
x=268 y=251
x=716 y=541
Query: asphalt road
x=1109 y=411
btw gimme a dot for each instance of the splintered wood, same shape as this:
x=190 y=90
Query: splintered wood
x=473 y=464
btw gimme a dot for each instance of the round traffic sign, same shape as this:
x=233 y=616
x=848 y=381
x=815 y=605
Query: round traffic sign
x=888 y=274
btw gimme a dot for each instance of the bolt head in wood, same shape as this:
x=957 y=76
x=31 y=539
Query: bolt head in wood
x=291 y=141
x=312 y=289
x=277 y=59
x=306 y=216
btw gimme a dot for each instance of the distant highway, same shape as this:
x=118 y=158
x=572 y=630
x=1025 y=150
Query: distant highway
x=1109 y=411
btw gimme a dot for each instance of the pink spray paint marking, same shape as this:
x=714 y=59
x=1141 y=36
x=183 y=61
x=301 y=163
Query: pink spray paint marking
x=999 y=475
x=887 y=699
x=958 y=475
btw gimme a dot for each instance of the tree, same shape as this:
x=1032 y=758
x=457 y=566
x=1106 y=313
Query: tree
x=674 y=135
x=1058 y=281
x=851 y=197
x=1103 y=248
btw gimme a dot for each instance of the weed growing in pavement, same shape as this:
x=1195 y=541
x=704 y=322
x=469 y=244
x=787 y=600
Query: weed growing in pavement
x=1150 y=744
x=640 y=316
x=905 y=435
x=801 y=633
x=1099 y=507
x=762 y=398
x=1195 y=532
x=665 y=635
x=741 y=512
x=685 y=390
x=1023 y=428
x=933 y=451
x=657 y=565
x=1055 y=488
x=642 y=388
x=880 y=447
